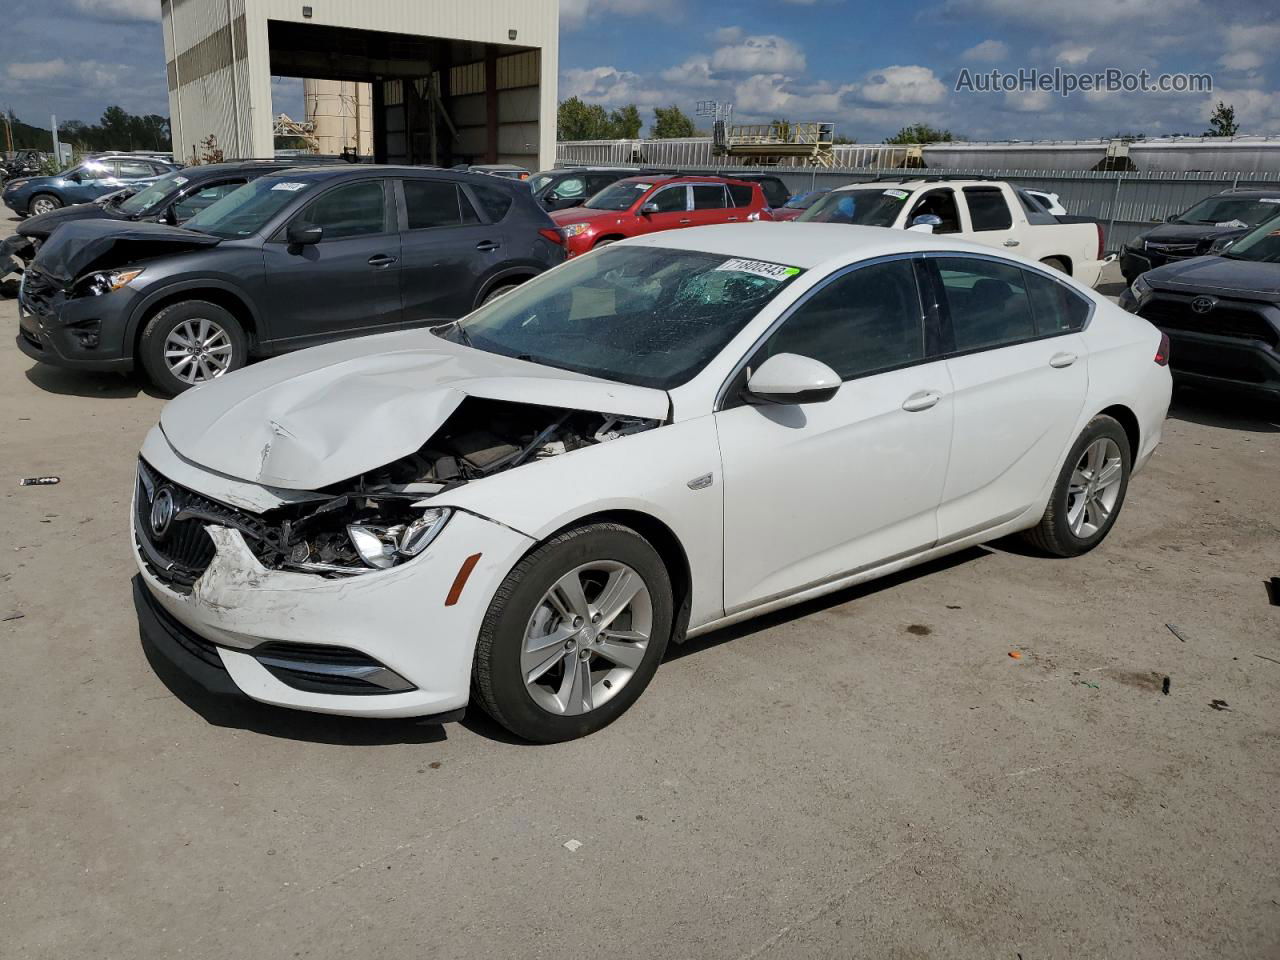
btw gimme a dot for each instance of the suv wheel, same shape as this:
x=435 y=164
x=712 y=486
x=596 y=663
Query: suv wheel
x=43 y=203
x=574 y=634
x=189 y=343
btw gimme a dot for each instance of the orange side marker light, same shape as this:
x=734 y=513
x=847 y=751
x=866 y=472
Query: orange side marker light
x=460 y=580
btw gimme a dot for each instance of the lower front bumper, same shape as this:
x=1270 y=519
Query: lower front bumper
x=1224 y=363
x=55 y=337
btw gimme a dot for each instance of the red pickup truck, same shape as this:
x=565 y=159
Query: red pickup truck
x=639 y=205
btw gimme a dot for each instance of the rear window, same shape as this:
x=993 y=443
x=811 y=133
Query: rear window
x=436 y=203
x=741 y=194
x=1057 y=308
x=495 y=201
x=987 y=208
x=776 y=193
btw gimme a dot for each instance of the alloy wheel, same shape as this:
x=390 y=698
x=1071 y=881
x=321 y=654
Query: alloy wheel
x=1094 y=488
x=586 y=638
x=197 y=350
x=42 y=205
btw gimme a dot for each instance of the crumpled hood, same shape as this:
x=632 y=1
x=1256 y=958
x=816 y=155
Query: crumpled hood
x=1218 y=274
x=82 y=244
x=39 y=227
x=310 y=419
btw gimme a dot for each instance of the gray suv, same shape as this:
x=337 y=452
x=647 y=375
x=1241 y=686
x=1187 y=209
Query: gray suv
x=289 y=260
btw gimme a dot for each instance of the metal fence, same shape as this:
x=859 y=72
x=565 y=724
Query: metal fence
x=1125 y=203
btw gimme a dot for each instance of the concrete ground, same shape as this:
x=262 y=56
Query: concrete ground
x=871 y=775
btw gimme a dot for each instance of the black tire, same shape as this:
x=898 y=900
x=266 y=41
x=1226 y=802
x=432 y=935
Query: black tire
x=1053 y=534
x=605 y=242
x=151 y=346
x=501 y=290
x=497 y=676
x=1056 y=264
x=49 y=198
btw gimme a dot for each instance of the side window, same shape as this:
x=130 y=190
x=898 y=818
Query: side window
x=708 y=196
x=495 y=201
x=987 y=208
x=354 y=210
x=741 y=194
x=775 y=191
x=1058 y=309
x=597 y=182
x=436 y=203
x=570 y=188
x=942 y=204
x=987 y=301
x=866 y=320
x=193 y=203
x=671 y=199
x=1035 y=209
x=135 y=170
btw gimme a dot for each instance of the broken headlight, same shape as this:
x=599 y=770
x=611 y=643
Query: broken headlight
x=382 y=546
x=105 y=281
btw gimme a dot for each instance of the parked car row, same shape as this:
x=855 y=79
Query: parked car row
x=87 y=181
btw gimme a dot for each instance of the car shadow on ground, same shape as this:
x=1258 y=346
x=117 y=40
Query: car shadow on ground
x=80 y=383
x=1228 y=411
x=245 y=714
x=819 y=604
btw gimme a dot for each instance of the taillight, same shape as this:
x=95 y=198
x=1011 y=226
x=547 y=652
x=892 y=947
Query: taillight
x=1102 y=241
x=552 y=234
x=1162 y=351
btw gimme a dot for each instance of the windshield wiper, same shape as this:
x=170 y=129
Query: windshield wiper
x=463 y=336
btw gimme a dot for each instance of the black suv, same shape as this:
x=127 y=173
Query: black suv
x=571 y=187
x=174 y=199
x=291 y=259
x=1208 y=227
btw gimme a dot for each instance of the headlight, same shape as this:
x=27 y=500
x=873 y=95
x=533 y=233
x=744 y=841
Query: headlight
x=1140 y=288
x=96 y=284
x=575 y=229
x=15 y=184
x=382 y=546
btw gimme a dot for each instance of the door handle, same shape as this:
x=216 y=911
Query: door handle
x=686 y=220
x=381 y=260
x=732 y=219
x=487 y=245
x=921 y=401
x=1061 y=360
x=1011 y=242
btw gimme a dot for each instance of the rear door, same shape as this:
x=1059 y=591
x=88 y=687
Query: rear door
x=1019 y=371
x=711 y=204
x=990 y=219
x=448 y=250
x=349 y=281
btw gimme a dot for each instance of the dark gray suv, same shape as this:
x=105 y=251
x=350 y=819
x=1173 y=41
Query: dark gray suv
x=289 y=260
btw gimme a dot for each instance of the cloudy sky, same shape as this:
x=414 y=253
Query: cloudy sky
x=869 y=67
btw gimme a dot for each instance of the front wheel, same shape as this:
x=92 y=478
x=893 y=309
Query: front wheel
x=1089 y=493
x=190 y=343
x=43 y=203
x=574 y=634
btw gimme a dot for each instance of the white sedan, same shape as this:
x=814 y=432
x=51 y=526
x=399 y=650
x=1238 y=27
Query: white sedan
x=680 y=431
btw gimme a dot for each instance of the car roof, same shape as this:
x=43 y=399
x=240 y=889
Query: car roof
x=1250 y=194
x=915 y=183
x=666 y=178
x=803 y=245
x=355 y=171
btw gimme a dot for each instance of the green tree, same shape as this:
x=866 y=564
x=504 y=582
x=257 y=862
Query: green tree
x=625 y=122
x=671 y=122
x=576 y=120
x=1223 y=122
x=921 y=133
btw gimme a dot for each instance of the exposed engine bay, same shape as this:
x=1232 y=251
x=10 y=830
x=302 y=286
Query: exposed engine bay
x=381 y=517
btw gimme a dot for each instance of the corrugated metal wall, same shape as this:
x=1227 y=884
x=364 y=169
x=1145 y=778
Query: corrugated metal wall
x=205 y=51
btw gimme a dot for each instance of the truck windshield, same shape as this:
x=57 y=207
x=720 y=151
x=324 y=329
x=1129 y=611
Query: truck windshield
x=869 y=208
x=246 y=210
x=1261 y=246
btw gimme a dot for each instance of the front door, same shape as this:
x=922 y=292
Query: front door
x=349 y=281
x=673 y=210
x=816 y=491
x=1020 y=374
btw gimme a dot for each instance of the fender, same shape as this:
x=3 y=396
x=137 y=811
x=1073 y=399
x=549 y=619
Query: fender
x=144 y=306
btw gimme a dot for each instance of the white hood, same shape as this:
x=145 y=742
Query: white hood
x=313 y=418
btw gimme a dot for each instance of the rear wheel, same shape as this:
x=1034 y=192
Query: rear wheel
x=43 y=203
x=1057 y=264
x=190 y=343
x=574 y=634
x=499 y=291
x=1089 y=493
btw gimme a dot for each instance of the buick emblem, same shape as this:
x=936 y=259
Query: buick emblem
x=163 y=508
x=1203 y=304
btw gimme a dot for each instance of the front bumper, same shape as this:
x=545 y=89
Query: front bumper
x=87 y=333
x=396 y=617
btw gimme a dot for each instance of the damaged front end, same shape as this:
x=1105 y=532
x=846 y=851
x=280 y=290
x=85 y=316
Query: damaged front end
x=381 y=518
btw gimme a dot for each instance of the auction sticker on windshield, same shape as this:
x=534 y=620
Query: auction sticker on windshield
x=291 y=187
x=897 y=194
x=760 y=268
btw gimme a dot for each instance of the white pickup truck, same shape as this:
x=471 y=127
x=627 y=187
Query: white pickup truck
x=991 y=212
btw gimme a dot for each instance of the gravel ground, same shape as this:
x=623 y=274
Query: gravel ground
x=870 y=775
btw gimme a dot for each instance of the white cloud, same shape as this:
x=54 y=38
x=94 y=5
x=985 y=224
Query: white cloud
x=1241 y=60
x=728 y=34
x=759 y=54
x=574 y=13
x=611 y=87
x=694 y=72
x=39 y=70
x=1073 y=54
x=989 y=51
x=1028 y=101
x=120 y=9
x=900 y=84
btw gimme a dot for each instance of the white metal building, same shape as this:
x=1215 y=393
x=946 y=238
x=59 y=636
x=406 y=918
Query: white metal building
x=452 y=80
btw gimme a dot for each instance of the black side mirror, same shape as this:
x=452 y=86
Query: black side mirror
x=75 y=177
x=303 y=235
x=1170 y=218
